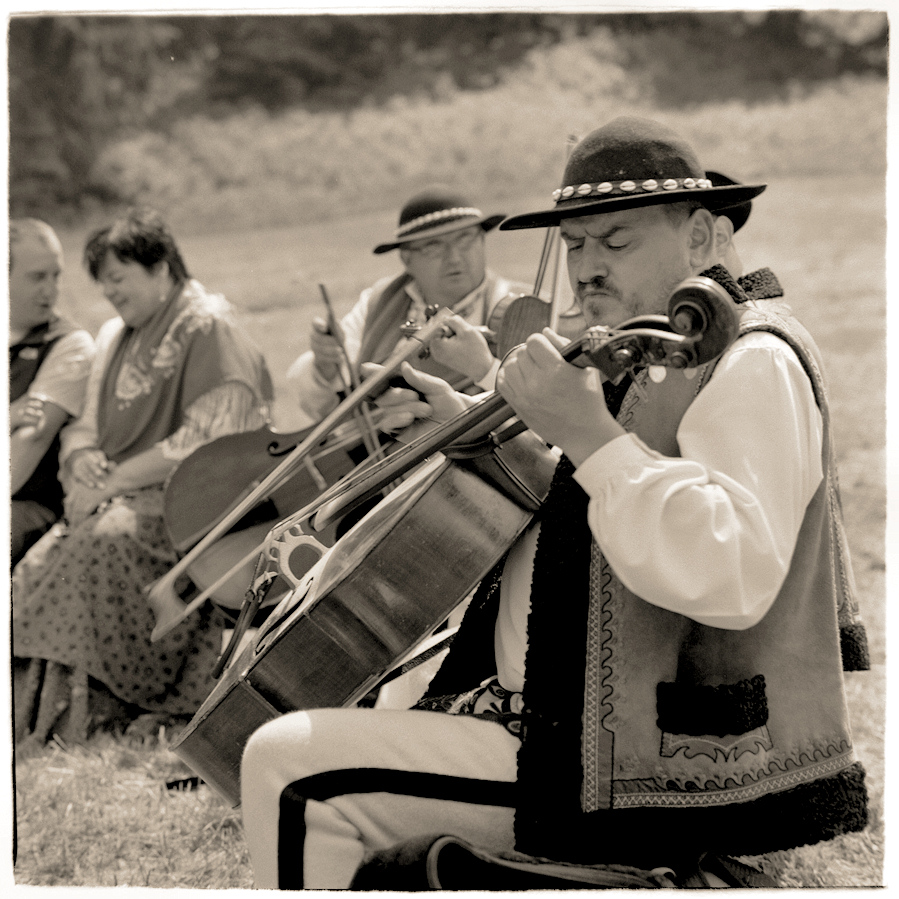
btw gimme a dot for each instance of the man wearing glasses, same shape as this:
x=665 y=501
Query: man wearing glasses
x=440 y=238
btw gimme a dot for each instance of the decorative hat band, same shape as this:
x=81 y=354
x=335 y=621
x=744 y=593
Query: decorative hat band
x=440 y=216
x=623 y=188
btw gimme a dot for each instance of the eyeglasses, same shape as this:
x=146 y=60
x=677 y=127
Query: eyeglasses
x=439 y=246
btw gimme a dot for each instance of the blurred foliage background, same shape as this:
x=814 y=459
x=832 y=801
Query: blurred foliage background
x=235 y=121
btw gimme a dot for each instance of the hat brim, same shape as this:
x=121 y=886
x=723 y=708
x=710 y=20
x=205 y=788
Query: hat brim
x=488 y=223
x=738 y=213
x=713 y=198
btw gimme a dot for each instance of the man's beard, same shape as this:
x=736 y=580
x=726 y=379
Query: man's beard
x=594 y=307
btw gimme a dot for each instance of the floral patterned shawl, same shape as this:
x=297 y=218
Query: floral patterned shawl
x=156 y=371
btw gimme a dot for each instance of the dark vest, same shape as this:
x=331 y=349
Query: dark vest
x=25 y=358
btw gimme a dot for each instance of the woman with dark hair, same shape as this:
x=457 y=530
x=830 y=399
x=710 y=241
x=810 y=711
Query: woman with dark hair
x=172 y=372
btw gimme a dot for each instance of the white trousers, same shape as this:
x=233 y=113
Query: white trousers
x=319 y=789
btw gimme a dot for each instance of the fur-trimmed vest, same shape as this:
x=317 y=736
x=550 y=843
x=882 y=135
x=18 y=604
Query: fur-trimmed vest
x=25 y=358
x=663 y=738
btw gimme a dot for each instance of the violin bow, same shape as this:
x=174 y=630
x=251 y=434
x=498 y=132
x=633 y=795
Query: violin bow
x=560 y=272
x=367 y=427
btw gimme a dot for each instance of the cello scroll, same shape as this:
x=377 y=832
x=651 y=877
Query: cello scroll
x=702 y=322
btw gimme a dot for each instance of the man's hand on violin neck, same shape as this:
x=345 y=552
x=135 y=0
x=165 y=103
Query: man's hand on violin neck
x=562 y=403
x=427 y=398
x=463 y=348
x=325 y=349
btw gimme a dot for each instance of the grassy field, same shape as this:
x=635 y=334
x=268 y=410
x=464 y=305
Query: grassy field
x=101 y=816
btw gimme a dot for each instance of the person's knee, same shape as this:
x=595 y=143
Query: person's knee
x=273 y=745
x=29 y=521
x=258 y=747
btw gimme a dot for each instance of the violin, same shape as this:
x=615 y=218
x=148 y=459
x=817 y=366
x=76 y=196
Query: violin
x=394 y=577
x=517 y=316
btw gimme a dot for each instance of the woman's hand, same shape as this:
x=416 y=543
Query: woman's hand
x=90 y=468
x=81 y=501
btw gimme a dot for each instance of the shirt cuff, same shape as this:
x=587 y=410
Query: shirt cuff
x=617 y=456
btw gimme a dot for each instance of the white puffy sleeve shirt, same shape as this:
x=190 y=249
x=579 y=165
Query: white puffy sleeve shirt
x=711 y=534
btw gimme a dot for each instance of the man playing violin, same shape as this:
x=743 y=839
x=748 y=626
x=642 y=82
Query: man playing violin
x=654 y=672
x=441 y=242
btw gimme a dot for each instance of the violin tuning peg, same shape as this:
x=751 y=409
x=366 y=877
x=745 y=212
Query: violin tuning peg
x=690 y=373
x=657 y=373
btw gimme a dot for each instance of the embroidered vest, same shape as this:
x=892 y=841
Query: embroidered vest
x=25 y=358
x=687 y=738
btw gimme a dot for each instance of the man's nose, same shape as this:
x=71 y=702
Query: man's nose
x=452 y=252
x=592 y=261
x=50 y=289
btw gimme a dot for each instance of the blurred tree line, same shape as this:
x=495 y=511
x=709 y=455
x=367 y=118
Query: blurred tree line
x=77 y=82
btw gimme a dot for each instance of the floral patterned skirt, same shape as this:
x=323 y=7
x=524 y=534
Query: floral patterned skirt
x=78 y=600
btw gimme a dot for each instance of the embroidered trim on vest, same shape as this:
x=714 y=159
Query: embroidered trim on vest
x=805 y=814
x=698 y=709
x=599 y=691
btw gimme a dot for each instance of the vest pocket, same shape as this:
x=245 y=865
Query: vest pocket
x=710 y=720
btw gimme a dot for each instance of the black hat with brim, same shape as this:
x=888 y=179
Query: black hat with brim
x=629 y=163
x=435 y=211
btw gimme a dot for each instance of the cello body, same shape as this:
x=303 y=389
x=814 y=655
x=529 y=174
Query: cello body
x=378 y=592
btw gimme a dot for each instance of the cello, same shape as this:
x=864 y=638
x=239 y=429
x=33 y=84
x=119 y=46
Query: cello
x=391 y=580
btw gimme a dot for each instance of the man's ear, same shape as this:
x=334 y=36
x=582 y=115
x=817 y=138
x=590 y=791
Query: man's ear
x=724 y=235
x=703 y=239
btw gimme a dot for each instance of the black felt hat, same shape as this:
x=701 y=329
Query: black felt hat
x=632 y=162
x=435 y=211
